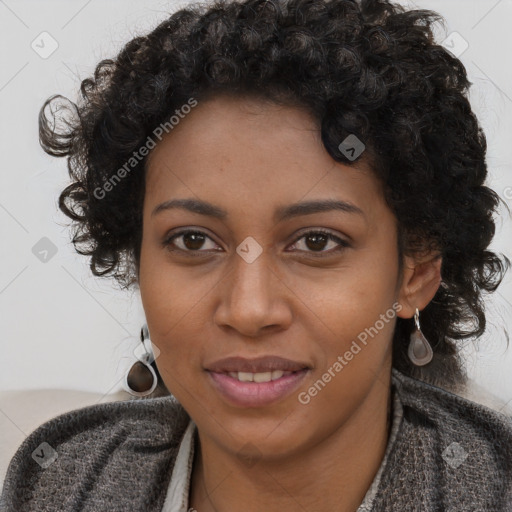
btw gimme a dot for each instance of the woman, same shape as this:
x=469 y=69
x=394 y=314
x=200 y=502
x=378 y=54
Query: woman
x=297 y=189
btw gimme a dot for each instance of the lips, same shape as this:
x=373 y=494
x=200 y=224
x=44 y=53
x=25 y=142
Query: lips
x=258 y=382
x=243 y=393
x=262 y=364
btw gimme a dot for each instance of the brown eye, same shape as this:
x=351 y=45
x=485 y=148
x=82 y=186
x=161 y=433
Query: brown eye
x=189 y=241
x=193 y=241
x=316 y=242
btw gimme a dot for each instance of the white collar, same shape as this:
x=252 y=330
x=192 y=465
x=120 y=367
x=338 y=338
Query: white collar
x=177 y=494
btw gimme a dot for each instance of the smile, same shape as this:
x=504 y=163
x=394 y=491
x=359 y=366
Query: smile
x=258 y=377
x=245 y=389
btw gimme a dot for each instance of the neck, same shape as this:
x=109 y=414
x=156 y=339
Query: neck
x=332 y=475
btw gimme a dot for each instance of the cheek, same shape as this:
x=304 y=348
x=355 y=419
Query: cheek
x=172 y=303
x=161 y=302
x=166 y=293
x=356 y=350
x=354 y=312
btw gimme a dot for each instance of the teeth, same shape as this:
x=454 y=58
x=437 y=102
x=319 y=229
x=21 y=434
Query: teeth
x=262 y=377
x=258 y=377
x=248 y=377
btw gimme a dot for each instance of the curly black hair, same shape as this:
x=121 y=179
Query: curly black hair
x=367 y=68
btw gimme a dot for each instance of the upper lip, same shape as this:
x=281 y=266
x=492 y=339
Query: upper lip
x=257 y=365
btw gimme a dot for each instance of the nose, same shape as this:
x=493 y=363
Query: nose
x=254 y=298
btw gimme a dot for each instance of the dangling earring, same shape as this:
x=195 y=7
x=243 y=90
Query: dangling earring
x=141 y=380
x=419 y=352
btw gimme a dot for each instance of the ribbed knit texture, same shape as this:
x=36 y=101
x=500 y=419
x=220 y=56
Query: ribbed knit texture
x=119 y=456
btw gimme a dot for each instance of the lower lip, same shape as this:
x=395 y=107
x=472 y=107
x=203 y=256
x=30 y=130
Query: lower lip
x=256 y=394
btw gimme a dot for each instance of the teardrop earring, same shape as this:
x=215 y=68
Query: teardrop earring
x=141 y=379
x=420 y=352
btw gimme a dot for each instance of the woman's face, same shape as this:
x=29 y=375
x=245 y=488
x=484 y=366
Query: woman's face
x=253 y=283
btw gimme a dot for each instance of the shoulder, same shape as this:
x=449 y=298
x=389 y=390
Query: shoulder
x=451 y=450
x=451 y=412
x=122 y=450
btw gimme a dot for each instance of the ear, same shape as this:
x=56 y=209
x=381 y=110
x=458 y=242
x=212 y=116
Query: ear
x=421 y=278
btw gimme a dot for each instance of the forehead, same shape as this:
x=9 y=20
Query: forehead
x=248 y=152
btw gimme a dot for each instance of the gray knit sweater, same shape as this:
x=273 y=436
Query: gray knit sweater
x=450 y=455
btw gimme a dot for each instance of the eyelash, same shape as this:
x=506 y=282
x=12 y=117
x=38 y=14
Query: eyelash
x=343 y=244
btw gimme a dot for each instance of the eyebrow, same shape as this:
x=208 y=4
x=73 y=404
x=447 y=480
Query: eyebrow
x=282 y=213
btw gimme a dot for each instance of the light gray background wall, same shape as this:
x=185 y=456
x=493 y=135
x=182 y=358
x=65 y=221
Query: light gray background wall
x=61 y=327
